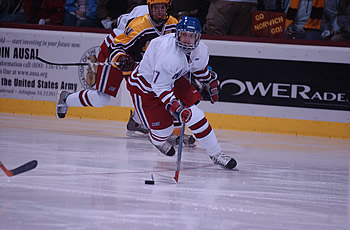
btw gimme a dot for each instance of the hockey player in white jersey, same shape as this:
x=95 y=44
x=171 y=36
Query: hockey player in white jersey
x=160 y=91
x=140 y=27
x=108 y=79
x=151 y=20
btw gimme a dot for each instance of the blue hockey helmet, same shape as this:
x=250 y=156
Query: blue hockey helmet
x=188 y=33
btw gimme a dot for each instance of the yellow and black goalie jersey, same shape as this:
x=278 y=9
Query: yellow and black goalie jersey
x=137 y=35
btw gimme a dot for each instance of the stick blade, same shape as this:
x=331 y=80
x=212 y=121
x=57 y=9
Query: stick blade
x=24 y=168
x=7 y=172
x=176 y=177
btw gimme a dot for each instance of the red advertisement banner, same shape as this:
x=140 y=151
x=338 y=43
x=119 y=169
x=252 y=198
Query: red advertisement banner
x=268 y=24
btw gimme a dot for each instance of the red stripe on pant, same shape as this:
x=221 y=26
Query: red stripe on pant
x=198 y=125
x=204 y=133
x=86 y=98
x=157 y=138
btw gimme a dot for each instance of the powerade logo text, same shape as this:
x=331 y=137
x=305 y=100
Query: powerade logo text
x=302 y=84
x=280 y=90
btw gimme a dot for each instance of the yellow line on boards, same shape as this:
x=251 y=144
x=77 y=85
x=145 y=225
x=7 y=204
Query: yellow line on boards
x=217 y=121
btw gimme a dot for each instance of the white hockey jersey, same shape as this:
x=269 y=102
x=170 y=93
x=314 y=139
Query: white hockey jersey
x=164 y=62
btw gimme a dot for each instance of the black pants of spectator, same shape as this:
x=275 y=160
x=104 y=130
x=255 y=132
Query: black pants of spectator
x=229 y=18
x=72 y=20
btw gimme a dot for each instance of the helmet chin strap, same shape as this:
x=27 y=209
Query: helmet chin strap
x=160 y=29
x=185 y=47
x=159 y=22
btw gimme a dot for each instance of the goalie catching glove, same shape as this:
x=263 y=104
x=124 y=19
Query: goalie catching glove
x=177 y=110
x=126 y=64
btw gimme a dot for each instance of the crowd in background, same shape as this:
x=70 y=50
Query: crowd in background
x=305 y=19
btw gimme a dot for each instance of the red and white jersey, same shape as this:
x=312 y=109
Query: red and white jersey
x=122 y=22
x=164 y=62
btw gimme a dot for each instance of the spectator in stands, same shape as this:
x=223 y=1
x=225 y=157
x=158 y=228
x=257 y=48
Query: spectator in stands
x=52 y=12
x=108 y=12
x=82 y=13
x=230 y=17
x=271 y=5
x=194 y=8
x=20 y=11
x=310 y=19
x=329 y=25
x=12 y=11
x=31 y=10
x=343 y=20
x=133 y=3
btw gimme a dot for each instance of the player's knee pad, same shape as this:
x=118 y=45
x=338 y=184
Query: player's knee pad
x=197 y=115
x=159 y=136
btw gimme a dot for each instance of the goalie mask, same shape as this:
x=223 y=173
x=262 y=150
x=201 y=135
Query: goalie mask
x=158 y=10
x=188 y=33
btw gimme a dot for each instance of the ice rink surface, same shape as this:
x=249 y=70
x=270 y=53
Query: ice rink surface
x=91 y=176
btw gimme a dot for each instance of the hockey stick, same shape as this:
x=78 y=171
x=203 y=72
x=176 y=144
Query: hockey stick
x=21 y=169
x=179 y=153
x=77 y=64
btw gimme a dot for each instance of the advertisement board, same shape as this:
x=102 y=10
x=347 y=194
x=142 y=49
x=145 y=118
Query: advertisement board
x=256 y=79
x=283 y=83
x=22 y=76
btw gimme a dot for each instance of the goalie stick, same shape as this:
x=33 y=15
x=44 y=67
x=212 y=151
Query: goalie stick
x=21 y=169
x=179 y=153
x=76 y=64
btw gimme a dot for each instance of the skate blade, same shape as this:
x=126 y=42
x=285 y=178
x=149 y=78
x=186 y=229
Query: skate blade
x=136 y=134
x=190 y=145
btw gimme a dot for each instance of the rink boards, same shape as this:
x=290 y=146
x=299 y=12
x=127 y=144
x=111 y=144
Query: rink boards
x=265 y=87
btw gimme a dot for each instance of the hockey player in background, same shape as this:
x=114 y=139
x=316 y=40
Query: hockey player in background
x=160 y=91
x=126 y=48
x=108 y=79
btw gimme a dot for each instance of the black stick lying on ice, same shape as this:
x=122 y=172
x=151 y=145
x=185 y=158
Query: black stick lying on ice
x=21 y=169
x=76 y=64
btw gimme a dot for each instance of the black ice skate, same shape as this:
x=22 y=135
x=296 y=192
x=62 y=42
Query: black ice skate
x=135 y=128
x=224 y=161
x=188 y=140
x=61 y=106
x=167 y=149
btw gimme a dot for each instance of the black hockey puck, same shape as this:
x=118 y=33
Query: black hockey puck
x=149 y=181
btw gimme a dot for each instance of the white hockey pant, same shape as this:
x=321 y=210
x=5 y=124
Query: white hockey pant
x=200 y=128
x=88 y=97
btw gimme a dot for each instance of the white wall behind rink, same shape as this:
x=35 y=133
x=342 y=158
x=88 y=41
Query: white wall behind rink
x=274 y=51
x=84 y=42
